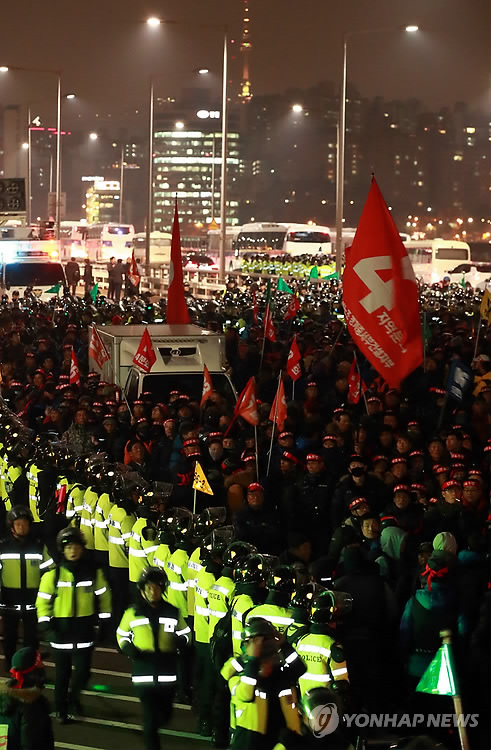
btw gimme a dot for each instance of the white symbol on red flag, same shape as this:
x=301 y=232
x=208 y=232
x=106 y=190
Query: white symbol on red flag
x=247 y=405
x=145 y=356
x=74 y=370
x=293 y=365
x=97 y=350
x=278 y=411
x=380 y=294
x=133 y=273
x=207 y=386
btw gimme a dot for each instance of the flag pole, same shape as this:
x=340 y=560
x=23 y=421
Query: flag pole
x=361 y=382
x=446 y=635
x=424 y=340
x=274 y=424
x=257 y=454
x=477 y=336
x=194 y=502
x=293 y=390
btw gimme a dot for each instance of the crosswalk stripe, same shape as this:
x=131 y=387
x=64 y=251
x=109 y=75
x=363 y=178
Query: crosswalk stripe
x=69 y=746
x=124 y=725
x=119 y=697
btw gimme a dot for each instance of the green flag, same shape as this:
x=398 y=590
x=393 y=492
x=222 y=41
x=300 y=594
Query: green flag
x=283 y=286
x=54 y=289
x=462 y=281
x=440 y=678
x=314 y=273
x=94 y=292
x=333 y=275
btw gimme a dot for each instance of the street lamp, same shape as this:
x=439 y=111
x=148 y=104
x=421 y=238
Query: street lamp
x=153 y=22
x=297 y=108
x=57 y=73
x=70 y=96
x=93 y=136
x=342 y=137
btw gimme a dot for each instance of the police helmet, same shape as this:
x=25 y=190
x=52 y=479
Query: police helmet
x=181 y=522
x=282 y=579
x=255 y=569
x=330 y=605
x=70 y=535
x=236 y=553
x=18 y=512
x=210 y=519
x=105 y=476
x=67 y=459
x=258 y=626
x=328 y=700
x=215 y=544
x=152 y=575
x=304 y=595
x=93 y=466
x=18 y=445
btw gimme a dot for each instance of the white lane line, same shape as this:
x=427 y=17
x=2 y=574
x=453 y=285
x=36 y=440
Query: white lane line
x=69 y=746
x=127 y=675
x=118 y=697
x=124 y=725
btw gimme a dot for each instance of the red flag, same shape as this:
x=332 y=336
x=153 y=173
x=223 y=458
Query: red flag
x=293 y=307
x=254 y=307
x=145 y=356
x=269 y=330
x=293 y=365
x=207 y=386
x=380 y=294
x=247 y=405
x=355 y=383
x=133 y=272
x=278 y=411
x=74 y=370
x=177 y=311
x=97 y=350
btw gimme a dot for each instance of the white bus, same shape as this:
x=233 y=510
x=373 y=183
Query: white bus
x=107 y=240
x=275 y=238
x=434 y=259
x=73 y=235
x=160 y=243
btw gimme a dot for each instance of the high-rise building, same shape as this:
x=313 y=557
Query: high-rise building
x=102 y=202
x=187 y=165
x=245 y=51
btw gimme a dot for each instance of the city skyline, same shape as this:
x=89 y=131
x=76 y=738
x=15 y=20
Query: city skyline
x=106 y=53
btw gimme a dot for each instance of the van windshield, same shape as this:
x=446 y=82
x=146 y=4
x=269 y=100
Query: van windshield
x=190 y=384
x=33 y=274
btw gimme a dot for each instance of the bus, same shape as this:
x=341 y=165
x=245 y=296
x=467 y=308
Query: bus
x=215 y=238
x=277 y=238
x=434 y=259
x=160 y=243
x=107 y=240
x=73 y=236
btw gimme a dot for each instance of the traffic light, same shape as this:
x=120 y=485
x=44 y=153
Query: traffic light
x=12 y=195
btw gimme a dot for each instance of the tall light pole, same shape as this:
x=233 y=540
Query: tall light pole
x=121 y=184
x=342 y=138
x=223 y=179
x=29 y=170
x=148 y=228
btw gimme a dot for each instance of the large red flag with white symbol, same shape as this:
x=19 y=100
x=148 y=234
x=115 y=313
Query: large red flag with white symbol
x=380 y=294
x=145 y=356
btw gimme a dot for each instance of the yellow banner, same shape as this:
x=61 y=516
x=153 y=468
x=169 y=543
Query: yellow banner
x=200 y=481
x=486 y=306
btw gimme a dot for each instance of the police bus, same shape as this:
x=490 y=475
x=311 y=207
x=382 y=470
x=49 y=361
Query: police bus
x=30 y=267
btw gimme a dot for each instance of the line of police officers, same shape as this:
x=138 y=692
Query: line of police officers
x=257 y=637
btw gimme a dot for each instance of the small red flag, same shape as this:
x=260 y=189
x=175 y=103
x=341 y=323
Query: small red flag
x=278 y=411
x=355 y=384
x=293 y=365
x=97 y=350
x=74 y=370
x=145 y=356
x=133 y=273
x=247 y=405
x=269 y=330
x=293 y=307
x=207 y=386
x=380 y=294
x=177 y=311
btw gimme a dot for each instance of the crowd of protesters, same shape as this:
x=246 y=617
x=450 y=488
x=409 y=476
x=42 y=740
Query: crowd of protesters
x=385 y=499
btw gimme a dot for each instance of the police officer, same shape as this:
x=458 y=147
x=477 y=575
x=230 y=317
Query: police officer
x=150 y=633
x=250 y=590
x=182 y=525
x=72 y=599
x=300 y=609
x=41 y=473
x=322 y=655
x=276 y=609
x=23 y=559
x=262 y=682
x=143 y=542
x=108 y=479
x=209 y=519
x=212 y=550
x=121 y=519
x=15 y=485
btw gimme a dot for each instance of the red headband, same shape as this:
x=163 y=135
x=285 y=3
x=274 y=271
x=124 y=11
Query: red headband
x=434 y=574
x=19 y=674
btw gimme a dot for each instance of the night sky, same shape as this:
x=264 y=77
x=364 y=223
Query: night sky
x=106 y=52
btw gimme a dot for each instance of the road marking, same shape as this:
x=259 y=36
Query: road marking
x=68 y=746
x=118 y=697
x=127 y=675
x=123 y=725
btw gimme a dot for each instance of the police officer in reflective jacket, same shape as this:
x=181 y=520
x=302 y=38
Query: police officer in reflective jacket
x=23 y=559
x=72 y=599
x=150 y=633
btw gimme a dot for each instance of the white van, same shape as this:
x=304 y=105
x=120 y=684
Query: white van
x=29 y=268
x=434 y=259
